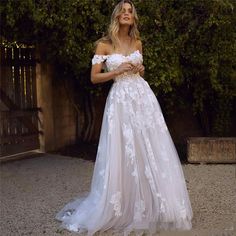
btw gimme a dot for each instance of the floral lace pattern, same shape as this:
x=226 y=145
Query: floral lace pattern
x=150 y=153
x=97 y=59
x=112 y=61
x=129 y=144
x=160 y=201
x=110 y=117
x=68 y=212
x=137 y=176
x=139 y=210
x=150 y=179
x=115 y=200
x=115 y=59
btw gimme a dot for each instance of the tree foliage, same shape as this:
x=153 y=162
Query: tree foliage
x=189 y=47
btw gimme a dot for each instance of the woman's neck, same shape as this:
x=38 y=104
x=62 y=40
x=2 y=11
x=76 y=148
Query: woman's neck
x=126 y=42
x=123 y=33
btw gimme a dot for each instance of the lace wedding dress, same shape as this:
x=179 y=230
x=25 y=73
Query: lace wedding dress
x=138 y=183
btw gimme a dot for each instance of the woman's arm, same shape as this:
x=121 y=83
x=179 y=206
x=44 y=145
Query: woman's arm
x=96 y=75
x=99 y=77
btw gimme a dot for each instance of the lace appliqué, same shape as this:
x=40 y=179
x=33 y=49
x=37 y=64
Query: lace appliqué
x=68 y=212
x=110 y=115
x=97 y=59
x=129 y=142
x=72 y=227
x=115 y=59
x=150 y=153
x=115 y=200
x=150 y=179
x=183 y=210
x=139 y=210
x=144 y=114
x=160 y=201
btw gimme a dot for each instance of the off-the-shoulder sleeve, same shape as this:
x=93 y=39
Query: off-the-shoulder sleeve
x=97 y=59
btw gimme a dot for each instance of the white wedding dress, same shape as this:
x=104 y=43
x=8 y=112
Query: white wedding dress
x=138 y=182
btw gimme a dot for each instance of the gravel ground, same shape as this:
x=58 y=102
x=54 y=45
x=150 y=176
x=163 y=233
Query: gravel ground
x=34 y=189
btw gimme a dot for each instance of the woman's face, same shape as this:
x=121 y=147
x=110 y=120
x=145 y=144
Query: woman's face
x=126 y=17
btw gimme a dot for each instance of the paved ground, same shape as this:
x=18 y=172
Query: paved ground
x=34 y=189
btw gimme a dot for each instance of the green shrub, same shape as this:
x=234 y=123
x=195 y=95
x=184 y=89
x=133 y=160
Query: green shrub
x=189 y=47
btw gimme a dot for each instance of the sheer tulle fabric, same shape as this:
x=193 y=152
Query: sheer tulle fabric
x=138 y=183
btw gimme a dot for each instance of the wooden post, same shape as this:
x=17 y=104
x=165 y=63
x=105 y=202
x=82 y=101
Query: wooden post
x=44 y=77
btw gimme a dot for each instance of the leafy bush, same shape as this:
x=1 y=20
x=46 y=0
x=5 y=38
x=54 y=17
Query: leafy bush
x=189 y=47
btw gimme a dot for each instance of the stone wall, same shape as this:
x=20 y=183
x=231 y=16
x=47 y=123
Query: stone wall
x=58 y=116
x=64 y=114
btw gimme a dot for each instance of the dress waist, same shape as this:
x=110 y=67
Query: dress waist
x=127 y=76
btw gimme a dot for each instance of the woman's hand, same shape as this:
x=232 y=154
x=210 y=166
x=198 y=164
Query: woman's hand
x=124 y=67
x=138 y=68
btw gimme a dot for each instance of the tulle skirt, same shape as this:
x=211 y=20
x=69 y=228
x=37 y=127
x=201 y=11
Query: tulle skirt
x=138 y=183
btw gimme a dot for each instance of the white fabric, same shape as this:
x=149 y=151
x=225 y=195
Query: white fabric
x=138 y=182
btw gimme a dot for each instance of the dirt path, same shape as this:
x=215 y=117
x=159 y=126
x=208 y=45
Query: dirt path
x=33 y=190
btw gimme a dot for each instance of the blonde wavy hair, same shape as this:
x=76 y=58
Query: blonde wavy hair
x=113 y=29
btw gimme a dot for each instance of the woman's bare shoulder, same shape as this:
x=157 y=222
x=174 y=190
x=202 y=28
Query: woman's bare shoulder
x=103 y=48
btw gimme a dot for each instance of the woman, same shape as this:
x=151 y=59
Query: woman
x=138 y=183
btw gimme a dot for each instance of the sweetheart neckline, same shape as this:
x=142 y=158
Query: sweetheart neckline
x=125 y=55
x=108 y=55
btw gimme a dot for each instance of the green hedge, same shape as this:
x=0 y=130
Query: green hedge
x=189 y=47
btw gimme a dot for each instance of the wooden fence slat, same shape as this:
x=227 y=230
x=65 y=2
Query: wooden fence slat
x=10 y=139
x=12 y=106
x=18 y=104
x=28 y=85
x=17 y=113
x=33 y=79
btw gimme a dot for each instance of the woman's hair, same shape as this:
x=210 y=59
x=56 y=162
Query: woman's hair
x=113 y=29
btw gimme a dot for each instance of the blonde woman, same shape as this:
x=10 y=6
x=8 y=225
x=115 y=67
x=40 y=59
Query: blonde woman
x=138 y=183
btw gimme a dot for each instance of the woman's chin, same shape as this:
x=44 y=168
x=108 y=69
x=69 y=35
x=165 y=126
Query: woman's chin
x=125 y=23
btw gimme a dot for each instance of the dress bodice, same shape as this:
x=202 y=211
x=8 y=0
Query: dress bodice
x=113 y=60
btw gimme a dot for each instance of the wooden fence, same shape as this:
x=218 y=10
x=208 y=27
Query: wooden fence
x=18 y=101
